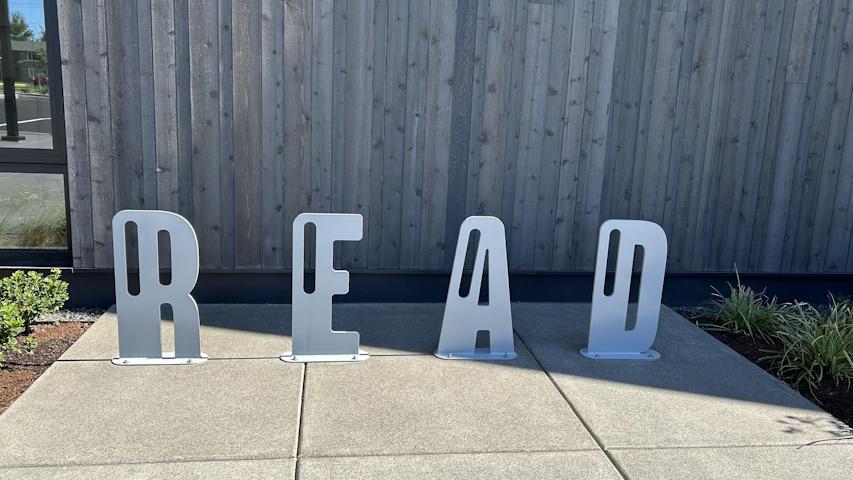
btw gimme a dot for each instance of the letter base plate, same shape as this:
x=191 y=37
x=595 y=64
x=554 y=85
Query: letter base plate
x=484 y=355
x=168 y=359
x=647 y=355
x=345 y=357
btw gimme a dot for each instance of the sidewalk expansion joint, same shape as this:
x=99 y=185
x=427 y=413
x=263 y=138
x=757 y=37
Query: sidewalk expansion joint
x=583 y=422
x=822 y=443
x=301 y=420
x=157 y=462
x=439 y=454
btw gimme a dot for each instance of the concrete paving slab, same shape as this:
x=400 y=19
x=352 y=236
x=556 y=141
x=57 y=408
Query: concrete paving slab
x=823 y=462
x=479 y=466
x=228 y=331
x=228 y=469
x=702 y=411
x=392 y=328
x=85 y=413
x=421 y=404
x=700 y=393
x=263 y=331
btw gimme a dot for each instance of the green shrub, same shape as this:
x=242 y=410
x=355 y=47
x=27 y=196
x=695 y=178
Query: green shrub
x=745 y=311
x=816 y=346
x=34 y=293
x=11 y=325
x=24 y=296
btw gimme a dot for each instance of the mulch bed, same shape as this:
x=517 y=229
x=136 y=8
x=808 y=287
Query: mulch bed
x=22 y=369
x=835 y=399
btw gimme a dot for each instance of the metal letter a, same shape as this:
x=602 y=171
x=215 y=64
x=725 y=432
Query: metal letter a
x=464 y=316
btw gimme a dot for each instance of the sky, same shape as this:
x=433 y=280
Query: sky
x=33 y=12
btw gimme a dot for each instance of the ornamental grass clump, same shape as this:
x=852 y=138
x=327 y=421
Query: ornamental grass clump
x=746 y=311
x=817 y=346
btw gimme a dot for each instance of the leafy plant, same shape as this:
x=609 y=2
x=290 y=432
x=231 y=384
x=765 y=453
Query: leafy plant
x=746 y=311
x=34 y=293
x=816 y=346
x=11 y=325
x=30 y=344
x=24 y=296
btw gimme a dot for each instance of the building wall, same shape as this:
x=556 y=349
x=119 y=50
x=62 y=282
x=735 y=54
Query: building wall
x=725 y=121
x=24 y=53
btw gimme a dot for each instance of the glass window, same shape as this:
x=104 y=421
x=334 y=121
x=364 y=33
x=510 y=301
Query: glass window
x=25 y=118
x=33 y=167
x=32 y=211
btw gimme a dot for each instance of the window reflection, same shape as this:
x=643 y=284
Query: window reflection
x=32 y=211
x=25 y=114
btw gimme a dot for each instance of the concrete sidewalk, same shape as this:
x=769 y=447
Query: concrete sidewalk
x=701 y=411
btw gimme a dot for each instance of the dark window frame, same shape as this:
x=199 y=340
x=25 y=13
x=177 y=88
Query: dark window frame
x=36 y=160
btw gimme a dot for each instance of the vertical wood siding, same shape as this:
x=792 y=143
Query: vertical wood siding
x=728 y=122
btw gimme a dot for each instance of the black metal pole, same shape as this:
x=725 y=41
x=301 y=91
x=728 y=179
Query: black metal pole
x=8 y=65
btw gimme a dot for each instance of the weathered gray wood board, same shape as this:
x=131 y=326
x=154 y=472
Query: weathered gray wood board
x=729 y=122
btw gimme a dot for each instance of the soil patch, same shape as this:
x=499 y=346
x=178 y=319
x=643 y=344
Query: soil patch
x=22 y=368
x=13 y=382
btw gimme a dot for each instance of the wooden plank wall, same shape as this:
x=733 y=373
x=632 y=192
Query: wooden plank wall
x=728 y=122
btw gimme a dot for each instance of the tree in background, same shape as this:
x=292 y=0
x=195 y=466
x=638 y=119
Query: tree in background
x=18 y=28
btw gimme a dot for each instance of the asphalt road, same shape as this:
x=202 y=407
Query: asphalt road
x=33 y=113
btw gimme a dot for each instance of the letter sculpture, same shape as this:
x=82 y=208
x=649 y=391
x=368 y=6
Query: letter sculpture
x=464 y=316
x=608 y=337
x=139 y=315
x=313 y=337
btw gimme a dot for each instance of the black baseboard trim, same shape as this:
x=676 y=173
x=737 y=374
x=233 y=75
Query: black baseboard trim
x=95 y=288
